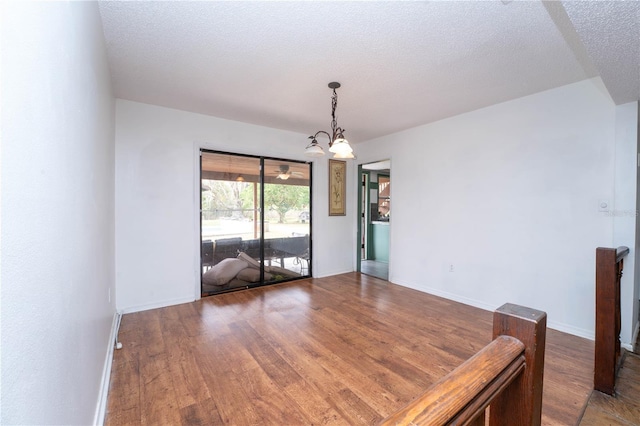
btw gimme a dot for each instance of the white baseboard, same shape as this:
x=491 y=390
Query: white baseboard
x=156 y=305
x=324 y=274
x=449 y=296
x=101 y=408
x=587 y=334
x=632 y=347
x=569 y=329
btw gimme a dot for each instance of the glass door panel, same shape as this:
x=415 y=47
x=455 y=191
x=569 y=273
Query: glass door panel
x=230 y=220
x=241 y=247
x=287 y=207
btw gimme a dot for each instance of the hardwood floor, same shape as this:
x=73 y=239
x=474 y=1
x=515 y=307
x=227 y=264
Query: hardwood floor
x=624 y=408
x=347 y=349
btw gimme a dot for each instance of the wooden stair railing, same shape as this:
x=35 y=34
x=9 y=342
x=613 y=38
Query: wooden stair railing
x=506 y=375
x=609 y=265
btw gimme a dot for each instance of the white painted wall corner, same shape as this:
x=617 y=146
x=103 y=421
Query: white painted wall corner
x=101 y=407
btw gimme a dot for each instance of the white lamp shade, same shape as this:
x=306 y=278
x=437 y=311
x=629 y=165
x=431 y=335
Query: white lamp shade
x=340 y=146
x=314 y=150
x=346 y=155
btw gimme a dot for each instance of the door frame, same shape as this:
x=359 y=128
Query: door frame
x=262 y=158
x=363 y=228
x=368 y=232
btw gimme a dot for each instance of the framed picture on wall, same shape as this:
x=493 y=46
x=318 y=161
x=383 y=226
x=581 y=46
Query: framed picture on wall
x=337 y=187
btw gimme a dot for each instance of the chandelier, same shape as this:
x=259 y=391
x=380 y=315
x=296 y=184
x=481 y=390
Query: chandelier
x=338 y=145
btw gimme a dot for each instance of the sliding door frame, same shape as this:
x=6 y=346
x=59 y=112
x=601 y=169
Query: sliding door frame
x=262 y=215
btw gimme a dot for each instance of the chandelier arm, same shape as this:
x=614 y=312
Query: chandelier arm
x=325 y=133
x=337 y=132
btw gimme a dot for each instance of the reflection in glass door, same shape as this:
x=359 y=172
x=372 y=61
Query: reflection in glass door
x=255 y=221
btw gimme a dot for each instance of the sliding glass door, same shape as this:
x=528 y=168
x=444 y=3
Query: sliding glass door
x=255 y=221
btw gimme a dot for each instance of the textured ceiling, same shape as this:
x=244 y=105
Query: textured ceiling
x=401 y=64
x=611 y=33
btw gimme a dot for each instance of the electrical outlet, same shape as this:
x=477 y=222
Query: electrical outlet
x=450 y=268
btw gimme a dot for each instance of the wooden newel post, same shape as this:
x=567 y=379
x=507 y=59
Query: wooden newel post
x=521 y=402
x=609 y=265
x=604 y=376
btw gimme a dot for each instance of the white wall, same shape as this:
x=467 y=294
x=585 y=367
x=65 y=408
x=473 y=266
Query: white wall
x=57 y=212
x=624 y=212
x=508 y=195
x=157 y=190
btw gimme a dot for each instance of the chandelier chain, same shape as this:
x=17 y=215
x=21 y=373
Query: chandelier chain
x=334 y=105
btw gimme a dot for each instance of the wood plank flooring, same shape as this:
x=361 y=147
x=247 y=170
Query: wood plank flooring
x=624 y=408
x=343 y=350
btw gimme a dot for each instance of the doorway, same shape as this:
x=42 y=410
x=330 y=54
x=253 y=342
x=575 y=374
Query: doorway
x=255 y=221
x=374 y=205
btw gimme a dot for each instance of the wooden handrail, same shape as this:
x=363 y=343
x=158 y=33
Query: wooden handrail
x=506 y=374
x=621 y=252
x=495 y=365
x=609 y=266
